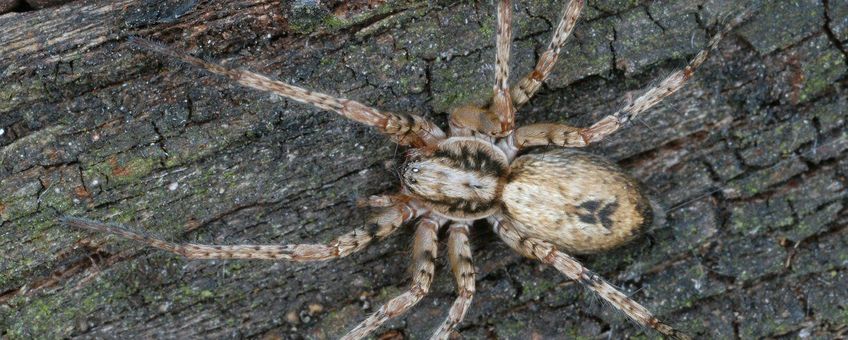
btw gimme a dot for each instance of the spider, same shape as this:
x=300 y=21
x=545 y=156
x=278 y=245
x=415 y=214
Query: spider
x=545 y=204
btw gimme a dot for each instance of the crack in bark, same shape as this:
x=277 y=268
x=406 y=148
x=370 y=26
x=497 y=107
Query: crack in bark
x=829 y=31
x=655 y=21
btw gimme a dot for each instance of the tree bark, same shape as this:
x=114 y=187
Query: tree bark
x=749 y=160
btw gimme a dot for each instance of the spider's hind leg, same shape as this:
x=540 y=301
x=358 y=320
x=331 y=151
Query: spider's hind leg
x=568 y=136
x=548 y=254
x=653 y=96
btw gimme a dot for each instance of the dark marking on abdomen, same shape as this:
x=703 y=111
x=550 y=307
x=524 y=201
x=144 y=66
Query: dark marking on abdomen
x=593 y=212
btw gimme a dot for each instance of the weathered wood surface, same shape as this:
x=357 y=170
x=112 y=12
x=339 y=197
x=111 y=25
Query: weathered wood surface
x=749 y=159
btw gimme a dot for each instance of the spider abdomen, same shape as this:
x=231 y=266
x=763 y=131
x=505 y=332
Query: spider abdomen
x=576 y=200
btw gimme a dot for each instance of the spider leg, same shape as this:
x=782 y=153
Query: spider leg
x=548 y=254
x=459 y=253
x=548 y=134
x=653 y=96
x=569 y=136
x=527 y=86
x=466 y=120
x=383 y=201
x=403 y=128
x=501 y=102
x=423 y=264
x=382 y=225
x=498 y=119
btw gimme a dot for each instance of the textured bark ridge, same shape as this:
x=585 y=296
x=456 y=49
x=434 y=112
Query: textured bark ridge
x=749 y=160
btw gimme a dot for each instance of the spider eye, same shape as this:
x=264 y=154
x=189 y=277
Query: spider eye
x=413 y=181
x=415 y=170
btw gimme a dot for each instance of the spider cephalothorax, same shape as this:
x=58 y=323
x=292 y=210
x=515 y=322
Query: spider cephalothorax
x=461 y=179
x=544 y=204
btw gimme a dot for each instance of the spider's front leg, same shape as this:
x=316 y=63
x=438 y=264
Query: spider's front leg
x=403 y=128
x=382 y=225
x=423 y=266
x=568 y=265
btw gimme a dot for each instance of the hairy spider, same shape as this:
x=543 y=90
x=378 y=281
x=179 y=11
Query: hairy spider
x=545 y=205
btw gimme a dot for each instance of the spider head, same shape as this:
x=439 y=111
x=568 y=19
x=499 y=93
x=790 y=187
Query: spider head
x=461 y=179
